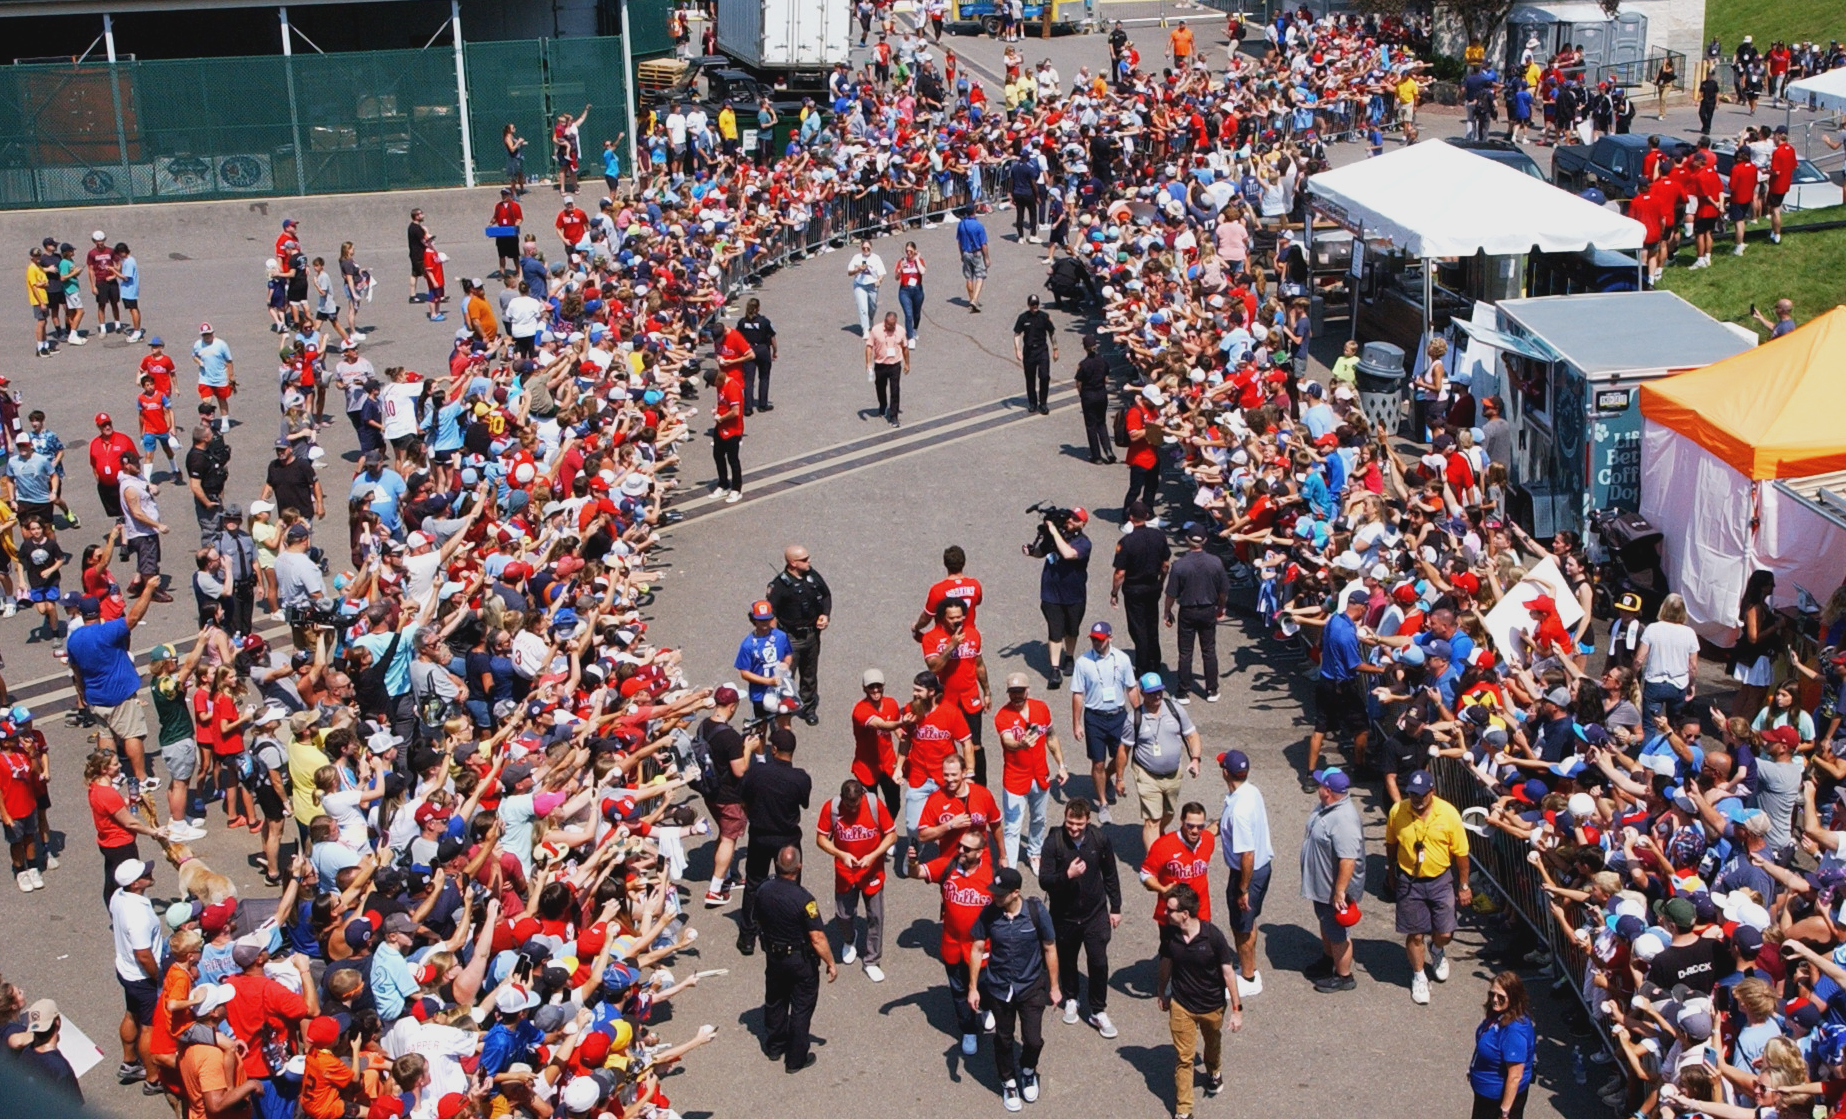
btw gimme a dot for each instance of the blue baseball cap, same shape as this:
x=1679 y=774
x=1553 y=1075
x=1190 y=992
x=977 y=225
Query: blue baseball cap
x=156 y=340
x=1151 y=682
x=1333 y=779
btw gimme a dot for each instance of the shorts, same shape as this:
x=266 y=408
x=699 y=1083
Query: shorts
x=147 y=555
x=73 y=300
x=207 y=392
x=973 y=266
x=1102 y=732
x=1330 y=928
x=131 y=304
x=48 y=593
x=270 y=802
x=139 y=997
x=127 y=719
x=1704 y=225
x=732 y=823
x=1337 y=705
x=1738 y=211
x=1426 y=905
x=108 y=291
x=1775 y=199
x=1159 y=796
x=1406 y=111
x=151 y=440
x=416 y=265
x=21 y=831
x=182 y=759
x=1243 y=920
x=1651 y=246
x=1063 y=621
x=40 y=313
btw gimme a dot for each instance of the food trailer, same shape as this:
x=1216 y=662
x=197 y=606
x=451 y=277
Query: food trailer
x=1569 y=368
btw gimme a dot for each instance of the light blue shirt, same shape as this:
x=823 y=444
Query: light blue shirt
x=1243 y=825
x=31 y=477
x=215 y=362
x=392 y=982
x=1104 y=681
x=387 y=491
x=130 y=268
x=397 y=673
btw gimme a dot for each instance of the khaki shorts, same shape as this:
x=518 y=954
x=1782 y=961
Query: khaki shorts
x=127 y=719
x=1159 y=795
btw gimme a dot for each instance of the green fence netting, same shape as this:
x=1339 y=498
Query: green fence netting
x=92 y=133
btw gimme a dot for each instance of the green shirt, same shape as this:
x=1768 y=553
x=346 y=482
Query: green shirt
x=171 y=709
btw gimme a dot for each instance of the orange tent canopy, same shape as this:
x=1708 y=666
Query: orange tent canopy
x=1770 y=412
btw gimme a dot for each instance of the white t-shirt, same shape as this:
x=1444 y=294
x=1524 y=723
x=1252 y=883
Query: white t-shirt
x=343 y=806
x=874 y=269
x=523 y=316
x=136 y=926
x=444 y=1047
x=1670 y=650
x=1243 y=825
x=399 y=402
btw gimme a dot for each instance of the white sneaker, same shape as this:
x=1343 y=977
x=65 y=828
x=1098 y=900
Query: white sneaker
x=149 y=784
x=1419 y=989
x=987 y=1022
x=848 y=954
x=1070 y=1012
x=11 y=608
x=51 y=862
x=25 y=882
x=1100 y=1022
x=1009 y=1095
x=1028 y=1084
x=1442 y=966
x=1102 y=815
x=875 y=973
x=38 y=880
x=733 y=497
x=1035 y=239
x=910 y=343
x=970 y=1043
x=1738 y=251
x=1250 y=988
x=76 y=339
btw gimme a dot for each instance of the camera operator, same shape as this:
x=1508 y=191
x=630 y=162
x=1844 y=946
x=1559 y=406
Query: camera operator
x=1063 y=585
x=299 y=584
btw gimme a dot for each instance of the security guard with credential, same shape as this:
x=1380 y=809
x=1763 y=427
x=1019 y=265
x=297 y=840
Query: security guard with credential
x=794 y=945
x=803 y=603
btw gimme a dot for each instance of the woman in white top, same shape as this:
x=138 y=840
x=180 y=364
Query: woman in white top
x=347 y=807
x=1668 y=661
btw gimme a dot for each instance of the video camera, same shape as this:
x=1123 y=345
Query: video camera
x=1050 y=516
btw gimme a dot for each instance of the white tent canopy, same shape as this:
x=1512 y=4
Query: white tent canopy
x=1433 y=200
x=1827 y=91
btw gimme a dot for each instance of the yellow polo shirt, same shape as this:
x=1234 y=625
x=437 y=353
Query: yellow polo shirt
x=1441 y=834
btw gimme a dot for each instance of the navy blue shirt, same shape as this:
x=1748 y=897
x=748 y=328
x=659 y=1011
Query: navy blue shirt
x=1063 y=582
x=1015 y=957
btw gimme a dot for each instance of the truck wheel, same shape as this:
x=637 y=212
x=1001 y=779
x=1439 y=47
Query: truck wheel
x=990 y=25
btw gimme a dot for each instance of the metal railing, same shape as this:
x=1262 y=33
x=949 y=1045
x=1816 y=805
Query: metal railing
x=1640 y=72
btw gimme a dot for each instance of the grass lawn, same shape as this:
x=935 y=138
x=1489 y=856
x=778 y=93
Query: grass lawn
x=1805 y=267
x=1769 y=20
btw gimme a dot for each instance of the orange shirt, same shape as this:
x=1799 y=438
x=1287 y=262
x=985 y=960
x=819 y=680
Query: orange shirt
x=321 y=1083
x=1182 y=42
x=203 y=1068
x=177 y=987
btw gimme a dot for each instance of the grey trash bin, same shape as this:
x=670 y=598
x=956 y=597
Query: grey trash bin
x=1381 y=385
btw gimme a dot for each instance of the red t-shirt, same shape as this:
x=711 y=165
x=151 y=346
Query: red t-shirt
x=1170 y=861
x=262 y=1006
x=935 y=736
x=874 y=753
x=508 y=212
x=160 y=367
x=105 y=802
x=18 y=786
x=1029 y=765
x=1782 y=163
x=731 y=396
x=1644 y=209
x=859 y=835
x=572 y=223
x=734 y=349
x=1141 y=453
x=106 y=456
x=964 y=895
x=153 y=410
x=942 y=806
x=1711 y=189
x=1743 y=181
x=100 y=260
x=962 y=588
x=960 y=683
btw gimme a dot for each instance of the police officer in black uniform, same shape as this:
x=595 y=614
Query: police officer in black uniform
x=1141 y=561
x=773 y=794
x=1093 y=395
x=1035 y=345
x=761 y=334
x=803 y=604
x=794 y=943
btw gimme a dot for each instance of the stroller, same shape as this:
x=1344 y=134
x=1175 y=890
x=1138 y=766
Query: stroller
x=1626 y=549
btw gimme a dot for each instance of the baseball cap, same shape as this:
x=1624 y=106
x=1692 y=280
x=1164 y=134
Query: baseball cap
x=761 y=611
x=1151 y=682
x=1677 y=911
x=1558 y=697
x=1234 y=762
x=1629 y=603
x=156 y=340
x=1007 y=879
x=400 y=923
x=102 y=419
x=216 y=918
x=1420 y=783
x=1439 y=648
x=1333 y=779
x=1017 y=680
x=132 y=871
x=205 y=328
x=870 y=677
x=1102 y=629
x=41 y=1016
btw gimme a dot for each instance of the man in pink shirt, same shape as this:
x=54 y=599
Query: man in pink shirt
x=887 y=361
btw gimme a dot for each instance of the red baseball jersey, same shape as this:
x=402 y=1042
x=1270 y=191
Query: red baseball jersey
x=1170 y=861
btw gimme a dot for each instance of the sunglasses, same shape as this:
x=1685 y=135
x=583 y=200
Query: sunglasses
x=970 y=850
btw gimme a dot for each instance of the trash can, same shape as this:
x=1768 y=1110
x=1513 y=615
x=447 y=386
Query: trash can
x=1381 y=385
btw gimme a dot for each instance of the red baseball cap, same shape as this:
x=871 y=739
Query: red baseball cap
x=451 y=1105
x=103 y=420
x=761 y=611
x=1468 y=581
x=323 y=1031
x=1349 y=916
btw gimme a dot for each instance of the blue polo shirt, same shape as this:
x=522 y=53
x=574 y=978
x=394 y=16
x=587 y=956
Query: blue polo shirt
x=1339 y=649
x=970 y=235
x=99 y=653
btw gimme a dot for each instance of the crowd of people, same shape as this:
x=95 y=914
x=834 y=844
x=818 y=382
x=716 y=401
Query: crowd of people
x=482 y=756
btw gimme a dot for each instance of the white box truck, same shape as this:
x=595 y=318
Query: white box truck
x=786 y=36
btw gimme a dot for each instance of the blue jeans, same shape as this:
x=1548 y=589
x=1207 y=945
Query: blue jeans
x=1658 y=696
x=866 y=299
x=910 y=298
x=1024 y=812
x=907 y=847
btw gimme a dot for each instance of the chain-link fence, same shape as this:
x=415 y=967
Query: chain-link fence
x=89 y=133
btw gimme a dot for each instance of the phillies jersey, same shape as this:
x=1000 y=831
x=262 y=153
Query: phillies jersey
x=942 y=806
x=964 y=895
x=1028 y=766
x=859 y=834
x=962 y=588
x=1170 y=861
x=933 y=738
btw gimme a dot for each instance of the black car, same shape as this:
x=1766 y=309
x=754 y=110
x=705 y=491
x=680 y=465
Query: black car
x=1501 y=151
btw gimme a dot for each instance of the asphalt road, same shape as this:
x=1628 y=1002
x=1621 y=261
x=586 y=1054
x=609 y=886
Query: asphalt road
x=876 y=507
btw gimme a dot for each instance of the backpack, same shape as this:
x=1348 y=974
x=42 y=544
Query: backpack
x=1120 y=433
x=701 y=773
x=432 y=709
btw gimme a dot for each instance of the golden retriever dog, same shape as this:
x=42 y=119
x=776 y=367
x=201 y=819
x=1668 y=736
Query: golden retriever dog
x=197 y=879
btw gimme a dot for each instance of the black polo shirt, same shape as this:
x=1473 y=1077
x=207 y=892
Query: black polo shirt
x=1034 y=329
x=1140 y=557
x=773 y=795
x=1198 y=967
